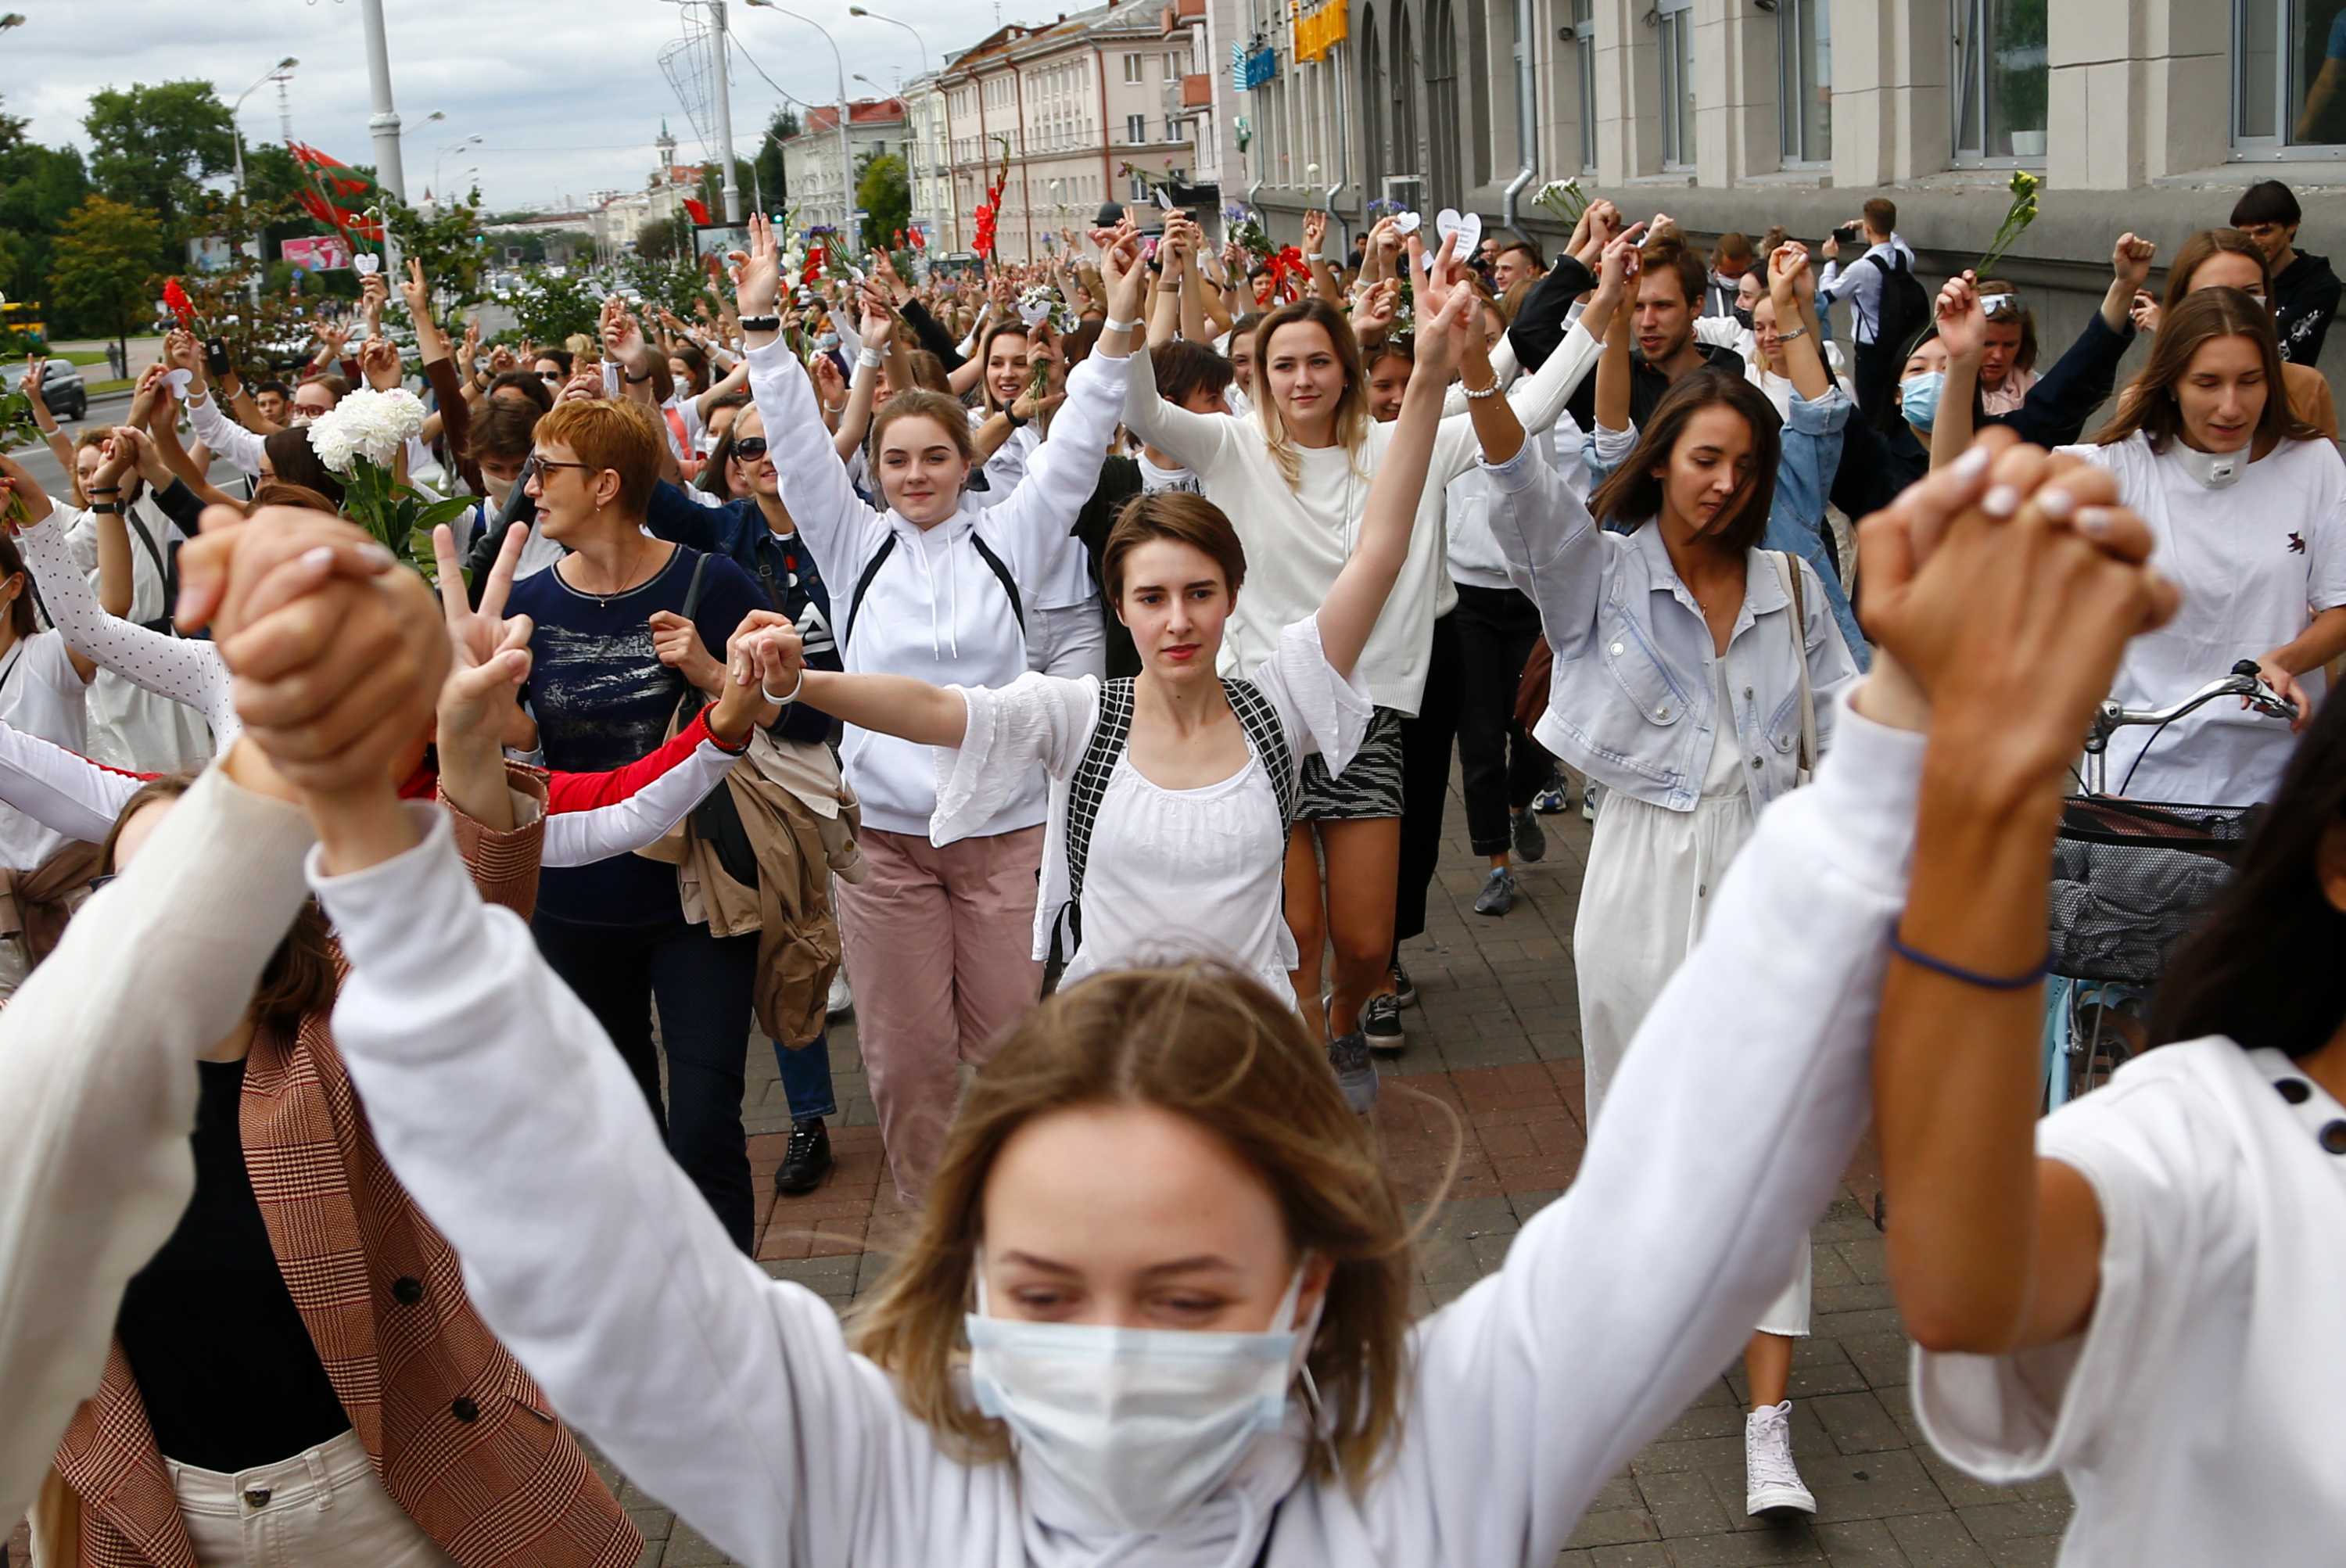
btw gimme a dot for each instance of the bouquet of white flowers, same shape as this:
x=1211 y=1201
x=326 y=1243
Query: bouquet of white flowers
x=362 y=440
x=1564 y=199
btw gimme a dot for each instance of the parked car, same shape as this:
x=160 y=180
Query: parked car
x=63 y=391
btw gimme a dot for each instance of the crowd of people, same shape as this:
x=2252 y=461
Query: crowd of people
x=384 y=955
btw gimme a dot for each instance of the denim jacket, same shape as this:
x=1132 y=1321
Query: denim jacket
x=1812 y=438
x=1632 y=698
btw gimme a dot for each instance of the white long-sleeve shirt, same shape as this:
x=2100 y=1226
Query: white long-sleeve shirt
x=1297 y=537
x=1860 y=284
x=935 y=609
x=96 y=1069
x=736 y=1398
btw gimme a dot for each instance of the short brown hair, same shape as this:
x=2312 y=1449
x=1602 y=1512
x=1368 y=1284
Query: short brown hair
x=2023 y=358
x=2148 y=404
x=330 y=382
x=1183 y=369
x=1527 y=247
x=1669 y=256
x=504 y=429
x=302 y=976
x=1181 y=517
x=285 y=493
x=614 y=433
x=1882 y=214
x=1733 y=246
x=1212 y=1045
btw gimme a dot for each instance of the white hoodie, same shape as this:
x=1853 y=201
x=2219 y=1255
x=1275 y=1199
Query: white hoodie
x=736 y=1398
x=935 y=611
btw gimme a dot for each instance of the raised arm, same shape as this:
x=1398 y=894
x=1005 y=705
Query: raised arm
x=1962 y=331
x=1793 y=289
x=60 y=445
x=1992 y=1250
x=1348 y=613
x=222 y=434
x=63 y=790
x=774 y=659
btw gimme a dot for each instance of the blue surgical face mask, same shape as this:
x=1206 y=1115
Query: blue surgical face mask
x=1918 y=398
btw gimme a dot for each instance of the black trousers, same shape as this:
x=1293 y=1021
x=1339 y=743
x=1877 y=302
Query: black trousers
x=705 y=987
x=1500 y=766
x=1425 y=779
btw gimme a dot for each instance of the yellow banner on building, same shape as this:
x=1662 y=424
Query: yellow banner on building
x=1321 y=31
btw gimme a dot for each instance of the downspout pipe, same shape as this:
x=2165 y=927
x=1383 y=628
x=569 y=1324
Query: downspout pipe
x=1526 y=94
x=1343 y=157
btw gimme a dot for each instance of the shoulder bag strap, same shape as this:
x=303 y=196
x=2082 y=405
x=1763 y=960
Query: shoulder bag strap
x=1110 y=731
x=1268 y=739
x=994 y=563
x=1789 y=568
x=863 y=586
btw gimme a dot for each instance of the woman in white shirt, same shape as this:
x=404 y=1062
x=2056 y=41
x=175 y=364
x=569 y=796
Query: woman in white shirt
x=926 y=584
x=2247 y=502
x=1694 y=678
x=1294 y=477
x=1156 y=1211
x=1170 y=791
x=2142 y=1291
x=43 y=691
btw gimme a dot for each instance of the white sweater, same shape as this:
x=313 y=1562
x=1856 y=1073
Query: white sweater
x=1297 y=539
x=735 y=1397
x=935 y=610
x=96 y=1071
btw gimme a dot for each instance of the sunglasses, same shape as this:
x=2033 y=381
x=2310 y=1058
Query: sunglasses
x=750 y=448
x=550 y=377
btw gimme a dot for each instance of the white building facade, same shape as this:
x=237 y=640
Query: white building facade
x=928 y=160
x=2147 y=115
x=822 y=191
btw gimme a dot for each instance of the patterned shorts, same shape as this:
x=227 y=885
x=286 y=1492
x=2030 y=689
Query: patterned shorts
x=1370 y=787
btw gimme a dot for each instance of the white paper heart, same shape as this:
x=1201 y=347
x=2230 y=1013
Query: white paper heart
x=1407 y=224
x=365 y=263
x=1034 y=314
x=1467 y=226
x=178 y=380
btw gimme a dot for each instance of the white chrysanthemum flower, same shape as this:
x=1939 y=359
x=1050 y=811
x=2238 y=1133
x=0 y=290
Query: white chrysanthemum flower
x=375 y=426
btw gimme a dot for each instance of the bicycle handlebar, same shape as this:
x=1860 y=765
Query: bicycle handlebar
x=2245 y=681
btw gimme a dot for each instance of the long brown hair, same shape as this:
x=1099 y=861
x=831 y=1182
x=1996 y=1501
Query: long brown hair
x=302 y=976
x=985 y=352
x=1210 y=1043
x=2148 y=403
x=21 y=618
x=1634 y=494
x=2201 y=249
x=1352 y=421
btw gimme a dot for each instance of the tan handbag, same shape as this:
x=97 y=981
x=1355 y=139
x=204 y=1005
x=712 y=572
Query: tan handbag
x=1789 y=570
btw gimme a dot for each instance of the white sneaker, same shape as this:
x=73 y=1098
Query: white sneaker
x=841 y=1001
x=1771 y=1482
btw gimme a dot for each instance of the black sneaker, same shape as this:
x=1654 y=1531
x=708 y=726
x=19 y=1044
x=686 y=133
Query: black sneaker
x=1404 y=988
x=1531 y=839
x=1355 y=1074
x=806 y=1160
x=1381 y=1022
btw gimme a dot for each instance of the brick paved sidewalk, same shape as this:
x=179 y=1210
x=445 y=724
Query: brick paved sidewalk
x=1497 y=1038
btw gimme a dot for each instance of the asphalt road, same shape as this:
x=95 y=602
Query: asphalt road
x=105 y=409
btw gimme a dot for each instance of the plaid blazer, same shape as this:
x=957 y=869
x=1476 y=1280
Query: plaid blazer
x=461 y=1437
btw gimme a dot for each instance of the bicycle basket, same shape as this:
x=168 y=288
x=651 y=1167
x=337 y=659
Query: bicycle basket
x=2130 y=877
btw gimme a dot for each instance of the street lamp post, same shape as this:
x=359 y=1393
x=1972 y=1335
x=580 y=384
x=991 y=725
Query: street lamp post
x=277 y=73
x=846 y=158
x=472 y=140
x=389 y=172
x=912 y=150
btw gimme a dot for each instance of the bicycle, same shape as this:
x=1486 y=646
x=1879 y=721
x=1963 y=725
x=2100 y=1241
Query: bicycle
x=2129 y=877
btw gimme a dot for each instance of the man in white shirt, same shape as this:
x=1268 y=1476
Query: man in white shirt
x=1860 y=284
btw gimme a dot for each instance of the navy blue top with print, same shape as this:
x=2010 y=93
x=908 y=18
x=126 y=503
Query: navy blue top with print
x=603 y=699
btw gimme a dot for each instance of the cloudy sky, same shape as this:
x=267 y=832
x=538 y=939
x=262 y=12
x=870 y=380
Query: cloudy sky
x=566 y=96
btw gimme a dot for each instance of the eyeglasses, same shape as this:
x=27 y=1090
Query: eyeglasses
x=540 y=464
x=750 y=448
x=553 y=377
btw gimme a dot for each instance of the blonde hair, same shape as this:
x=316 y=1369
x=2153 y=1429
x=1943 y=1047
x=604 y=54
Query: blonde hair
x=1352 y=421
x=612 y=433
x=1205 y=1042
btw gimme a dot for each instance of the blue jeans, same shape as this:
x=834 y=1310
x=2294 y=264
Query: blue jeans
x=704 y=987
x=806 y=1078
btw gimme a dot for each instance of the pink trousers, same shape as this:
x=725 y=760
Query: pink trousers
x=938 y=945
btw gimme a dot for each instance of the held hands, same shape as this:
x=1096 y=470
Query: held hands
x=2144 y=313
x=770 y=654
x=1963 y=320
x=830 y=389
x=1380 y=303
x=373 y=294
x=378 y=361
x=1126 y=277
x=2006 y=586
x=1449 y=337
x=1791 y=284
x=742 y=702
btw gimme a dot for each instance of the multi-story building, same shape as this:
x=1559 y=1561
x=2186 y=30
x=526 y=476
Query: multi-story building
x=928 y=167
x=2142 y=115
x=821 y=189
x=1190 y=98
x=1079 y=109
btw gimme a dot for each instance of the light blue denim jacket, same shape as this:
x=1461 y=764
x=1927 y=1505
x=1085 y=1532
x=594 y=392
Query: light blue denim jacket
x=1632 y=701
x=1804 y=480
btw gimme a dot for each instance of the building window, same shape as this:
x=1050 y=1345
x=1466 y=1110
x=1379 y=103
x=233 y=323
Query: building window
x=2289 y=88
x=1132 y=68
x=1675 y=21
x=2000 y=81
x=1136 y=128
x=1139 y=191
x=1804 y=46
x=1584 y=34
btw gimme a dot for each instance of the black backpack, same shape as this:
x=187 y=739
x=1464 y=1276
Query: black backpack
x=1905 y=304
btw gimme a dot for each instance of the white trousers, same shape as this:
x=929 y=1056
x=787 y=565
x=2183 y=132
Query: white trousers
x=1072 y=642
x=325 y=1508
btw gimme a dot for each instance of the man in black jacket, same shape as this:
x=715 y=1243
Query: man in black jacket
x=2305 y=290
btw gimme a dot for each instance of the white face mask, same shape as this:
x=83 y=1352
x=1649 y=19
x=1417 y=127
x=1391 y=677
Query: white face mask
x=1137 y=1426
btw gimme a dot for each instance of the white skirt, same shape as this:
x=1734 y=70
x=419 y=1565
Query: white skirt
x=1652 y=874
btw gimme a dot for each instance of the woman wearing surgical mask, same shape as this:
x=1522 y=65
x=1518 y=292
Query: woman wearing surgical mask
x=1156 y=1312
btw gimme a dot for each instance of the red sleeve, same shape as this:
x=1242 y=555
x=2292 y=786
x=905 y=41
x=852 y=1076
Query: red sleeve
x=587 y=791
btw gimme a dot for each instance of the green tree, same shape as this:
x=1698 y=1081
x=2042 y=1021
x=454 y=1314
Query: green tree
x=773 y=180
x=450 y=244
x=39 y=187
x=103 y=267
x=152 y=148
x=554 y=308
x=885 y=195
